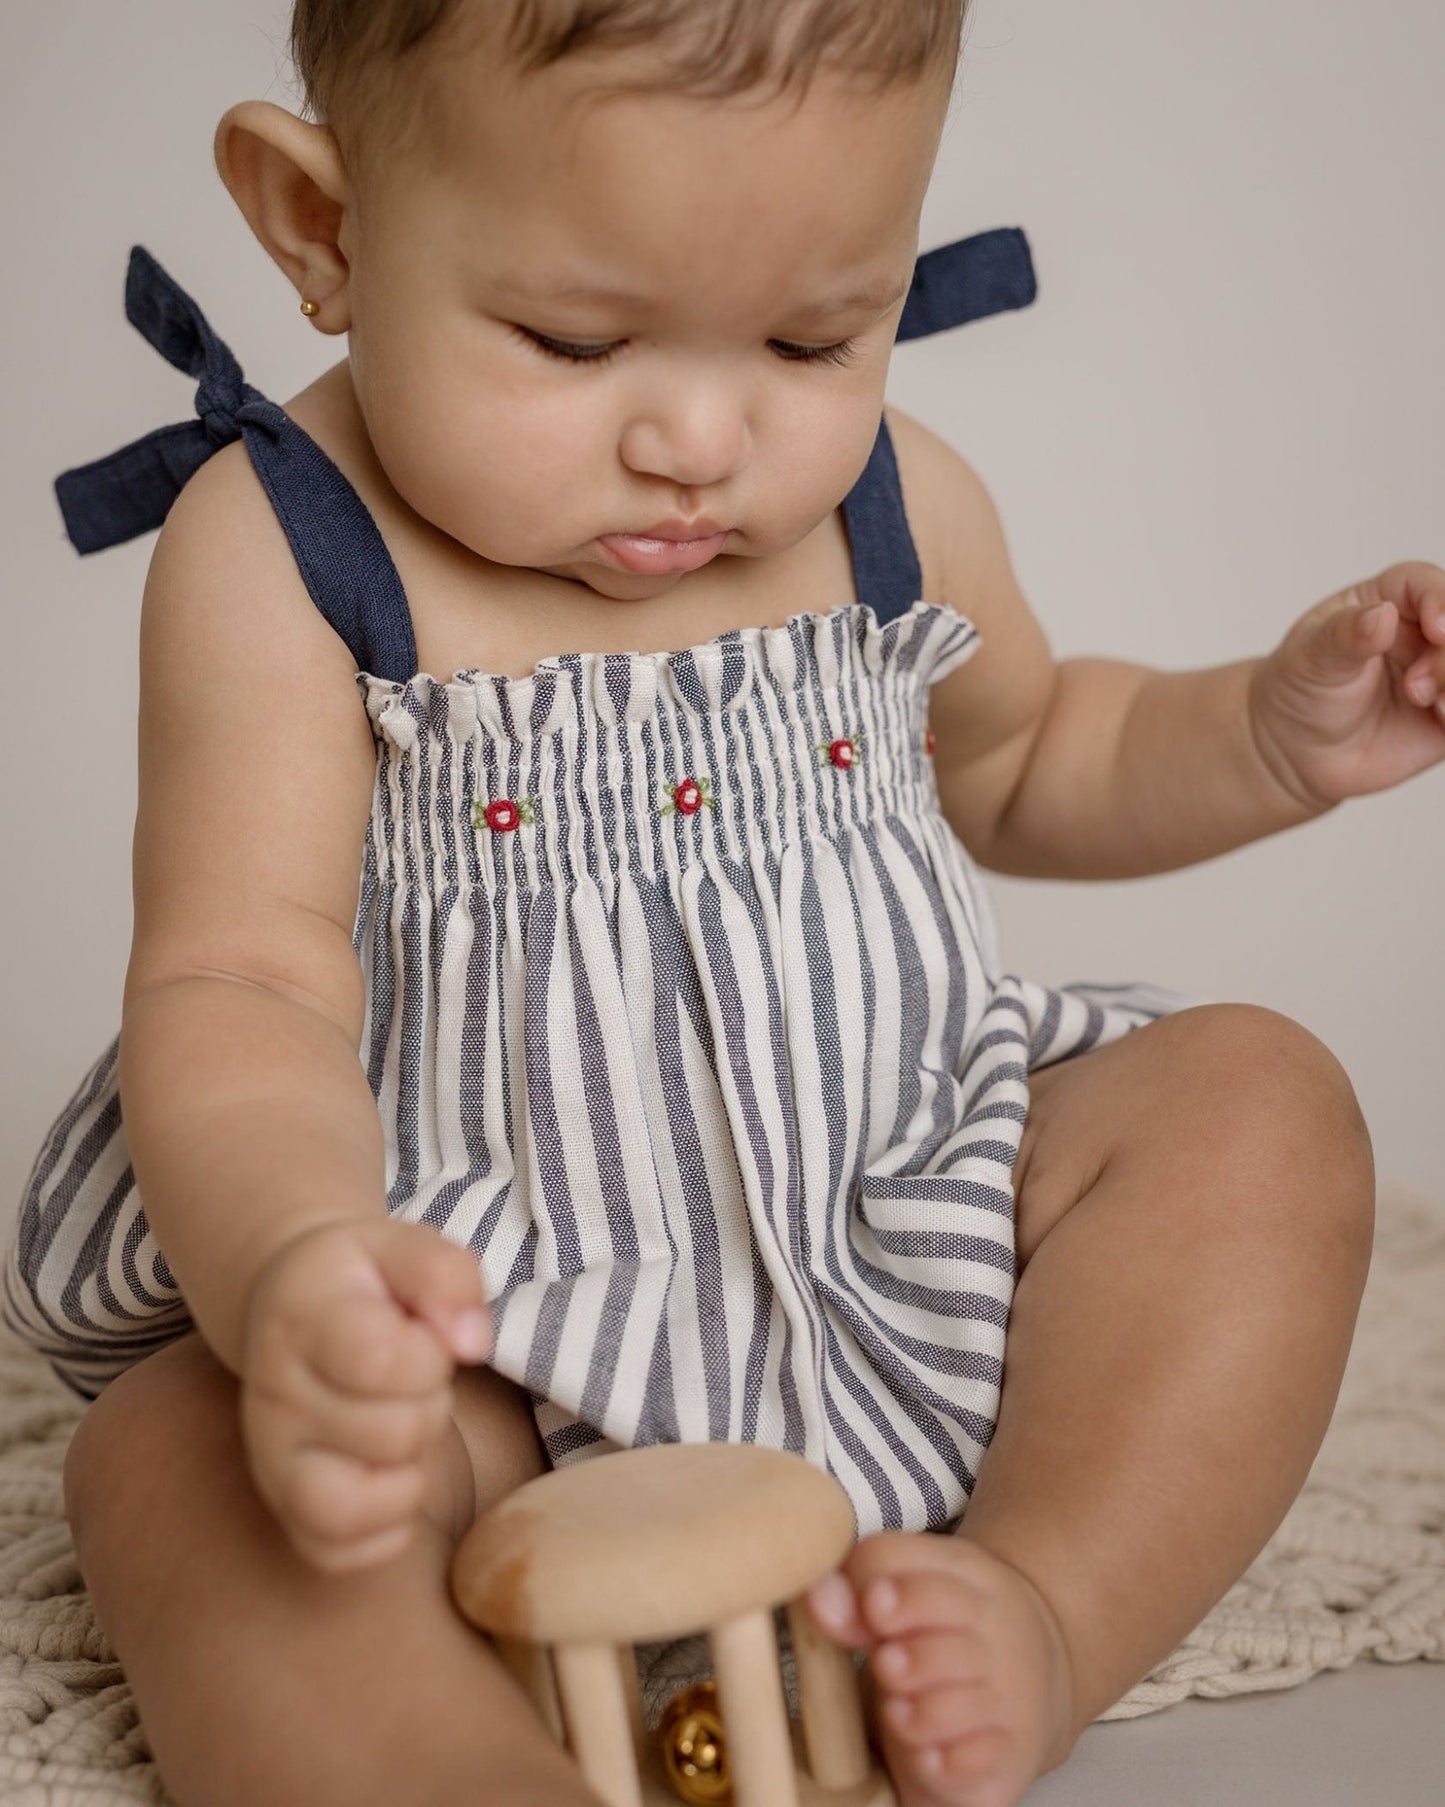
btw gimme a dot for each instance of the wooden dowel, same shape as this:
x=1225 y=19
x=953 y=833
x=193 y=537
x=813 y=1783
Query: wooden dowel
x=599 y=1728
x=531 y=1667
x=632 y=1694
x=832 y=1712
x=754 y=1710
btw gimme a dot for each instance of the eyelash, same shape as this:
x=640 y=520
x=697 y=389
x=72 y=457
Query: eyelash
x=842 y=353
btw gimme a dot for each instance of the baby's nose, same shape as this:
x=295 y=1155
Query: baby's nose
x=692 y=439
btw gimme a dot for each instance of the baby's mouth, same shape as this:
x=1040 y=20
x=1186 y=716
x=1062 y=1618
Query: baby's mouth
x=650 y=555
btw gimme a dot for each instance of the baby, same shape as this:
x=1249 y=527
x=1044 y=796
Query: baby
x=691 y=1100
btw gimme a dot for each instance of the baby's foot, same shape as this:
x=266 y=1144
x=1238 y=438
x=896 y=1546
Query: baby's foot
x=972 y=1694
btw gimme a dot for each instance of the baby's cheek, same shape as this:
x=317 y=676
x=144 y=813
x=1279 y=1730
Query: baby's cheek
x=806 y=476
x=511 y=469
x=516 y=501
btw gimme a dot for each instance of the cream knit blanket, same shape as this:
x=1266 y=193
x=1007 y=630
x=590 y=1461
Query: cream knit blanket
x=1357 y=1568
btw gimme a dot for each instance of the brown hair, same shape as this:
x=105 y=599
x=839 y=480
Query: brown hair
x=353 y=55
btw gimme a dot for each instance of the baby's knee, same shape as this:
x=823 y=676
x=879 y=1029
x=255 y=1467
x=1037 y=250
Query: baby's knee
x=1269 y=1063
x=495 y=1424
x=127 y=1443
x=1272 y=1085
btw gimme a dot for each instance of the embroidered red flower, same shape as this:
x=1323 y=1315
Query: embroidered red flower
x=687 y=798
x=845 y=752
x=929 y=742
x=504 y=815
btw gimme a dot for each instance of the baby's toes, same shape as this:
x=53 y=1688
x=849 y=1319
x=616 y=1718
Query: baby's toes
x=981 y=1770
x=942 y=1715
x=905 y=1604
x=928 y=1659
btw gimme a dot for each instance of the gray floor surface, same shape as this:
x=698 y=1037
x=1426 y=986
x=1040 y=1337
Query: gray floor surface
x=1372 y=1735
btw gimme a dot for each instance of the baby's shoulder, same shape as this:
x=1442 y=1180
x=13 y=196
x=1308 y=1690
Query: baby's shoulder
x=951 y=515
x=224 y=594
x=224 y=523
x=966 y=564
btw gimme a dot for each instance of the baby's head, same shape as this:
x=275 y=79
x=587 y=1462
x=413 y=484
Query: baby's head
x=607 y=264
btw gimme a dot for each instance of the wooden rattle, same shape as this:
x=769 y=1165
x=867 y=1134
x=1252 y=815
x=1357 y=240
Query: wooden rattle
x=572 y=1570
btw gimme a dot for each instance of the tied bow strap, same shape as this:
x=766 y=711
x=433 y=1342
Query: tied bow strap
x=989 y=273
x=339 y=551
x=131 y=491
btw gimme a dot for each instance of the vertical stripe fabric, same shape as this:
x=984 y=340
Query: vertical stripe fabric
x=683 y=1013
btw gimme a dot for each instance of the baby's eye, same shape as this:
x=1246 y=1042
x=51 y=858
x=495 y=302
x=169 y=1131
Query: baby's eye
x=570 y=353
x=843 y=352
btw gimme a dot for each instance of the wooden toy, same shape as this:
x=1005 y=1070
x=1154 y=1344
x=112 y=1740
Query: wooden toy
x=572 y=1570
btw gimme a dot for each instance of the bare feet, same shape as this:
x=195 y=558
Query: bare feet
x=972 y=1693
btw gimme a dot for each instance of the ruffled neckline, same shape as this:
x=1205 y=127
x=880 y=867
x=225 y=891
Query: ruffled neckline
x=708 y=680
x=751 y=640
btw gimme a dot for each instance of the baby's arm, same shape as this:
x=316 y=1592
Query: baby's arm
x=254 y=1135
x=1085 y=768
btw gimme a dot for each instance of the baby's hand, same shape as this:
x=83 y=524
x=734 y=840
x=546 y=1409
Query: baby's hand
x=352 y=1333
x=1351 y=699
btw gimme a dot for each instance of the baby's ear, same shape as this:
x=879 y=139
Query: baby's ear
x=288 y=177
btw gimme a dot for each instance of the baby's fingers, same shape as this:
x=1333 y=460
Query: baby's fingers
x=1331 y=646
x=372 y=1430
x=438 y=1281
x=1346 y=638
x=340 y=1513
x=1417 y=589
x=373 y=1349
x=1425 y=680
x=365 y=1553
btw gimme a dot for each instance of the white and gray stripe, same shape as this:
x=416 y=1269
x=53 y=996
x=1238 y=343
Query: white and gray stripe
x=727 y=1103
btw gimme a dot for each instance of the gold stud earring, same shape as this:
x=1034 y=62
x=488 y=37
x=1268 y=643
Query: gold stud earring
x=310 y=308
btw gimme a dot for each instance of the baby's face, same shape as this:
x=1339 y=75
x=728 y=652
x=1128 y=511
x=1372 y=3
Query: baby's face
x=579 y=317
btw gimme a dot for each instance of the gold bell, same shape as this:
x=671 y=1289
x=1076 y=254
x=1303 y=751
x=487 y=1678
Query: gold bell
x=694 y=1747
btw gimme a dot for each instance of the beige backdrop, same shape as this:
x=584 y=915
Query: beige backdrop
x=1226 y=404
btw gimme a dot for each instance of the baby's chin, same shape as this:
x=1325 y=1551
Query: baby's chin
x=613 y=586
x=605 y=580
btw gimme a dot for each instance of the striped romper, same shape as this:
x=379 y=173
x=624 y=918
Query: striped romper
x=683 y=1006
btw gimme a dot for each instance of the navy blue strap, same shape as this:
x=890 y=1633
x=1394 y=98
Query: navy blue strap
x=989 y=273
x=339 y=549
x=886 y=571
x=969 y=280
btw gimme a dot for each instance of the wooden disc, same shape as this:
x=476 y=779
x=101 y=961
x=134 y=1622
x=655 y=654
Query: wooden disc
x=651 y=1543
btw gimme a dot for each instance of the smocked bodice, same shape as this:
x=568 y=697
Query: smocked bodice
x=650 y=761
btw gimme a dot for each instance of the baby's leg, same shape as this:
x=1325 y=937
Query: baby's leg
x=1195 y=1206
x=259 y=1679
